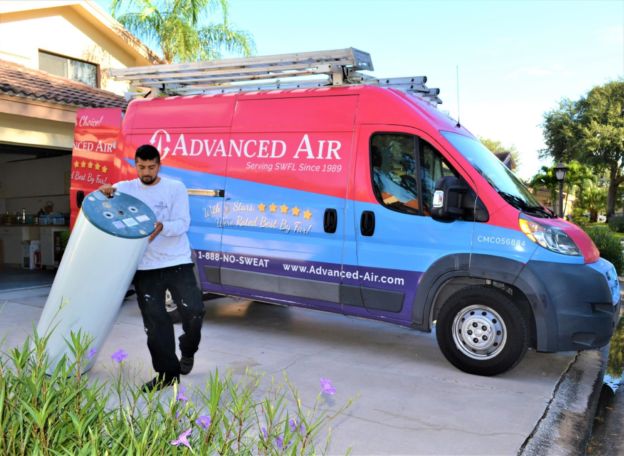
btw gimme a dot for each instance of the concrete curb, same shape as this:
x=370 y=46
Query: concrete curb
x=566 y=426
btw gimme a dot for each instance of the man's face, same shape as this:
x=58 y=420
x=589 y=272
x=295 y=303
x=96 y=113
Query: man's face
x=147 y=170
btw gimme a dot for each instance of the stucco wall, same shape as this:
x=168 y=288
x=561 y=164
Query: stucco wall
x=62 y=31
x=38 y=132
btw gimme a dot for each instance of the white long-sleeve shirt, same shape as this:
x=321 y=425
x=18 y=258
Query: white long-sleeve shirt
x=169 y=201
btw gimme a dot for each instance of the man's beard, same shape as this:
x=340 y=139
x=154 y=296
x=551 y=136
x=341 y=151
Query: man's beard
x=148 y=180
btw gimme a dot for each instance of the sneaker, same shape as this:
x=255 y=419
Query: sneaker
x=159 y=382
x=186 y=364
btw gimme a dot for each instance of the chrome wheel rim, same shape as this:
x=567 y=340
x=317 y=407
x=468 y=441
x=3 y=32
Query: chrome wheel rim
x=479 y=332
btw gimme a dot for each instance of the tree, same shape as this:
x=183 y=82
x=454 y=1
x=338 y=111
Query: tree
x=594 y=200
x=182 y=28
x=579 y=181
x=591 y=130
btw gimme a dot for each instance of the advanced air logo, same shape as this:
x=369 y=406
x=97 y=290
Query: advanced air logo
x=303 y=148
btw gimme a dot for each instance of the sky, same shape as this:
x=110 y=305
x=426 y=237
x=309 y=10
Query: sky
x=507 y=62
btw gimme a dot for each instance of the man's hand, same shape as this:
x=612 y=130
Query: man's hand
x=107 y=189
x=158 y=227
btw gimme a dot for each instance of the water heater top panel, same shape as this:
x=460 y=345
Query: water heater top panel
x=122 y=215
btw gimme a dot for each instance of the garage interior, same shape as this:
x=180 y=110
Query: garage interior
x=34 y=213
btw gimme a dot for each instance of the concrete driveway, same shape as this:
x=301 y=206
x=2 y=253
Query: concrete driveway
x=408 y=398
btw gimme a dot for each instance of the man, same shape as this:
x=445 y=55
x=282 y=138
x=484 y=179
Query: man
x=392 y=193
x=166 y=264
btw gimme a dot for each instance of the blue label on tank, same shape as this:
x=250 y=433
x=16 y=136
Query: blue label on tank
x=122 y=215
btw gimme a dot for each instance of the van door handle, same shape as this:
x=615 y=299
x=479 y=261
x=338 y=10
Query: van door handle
x=330 y=220
x=367 y=223
x=206 y=192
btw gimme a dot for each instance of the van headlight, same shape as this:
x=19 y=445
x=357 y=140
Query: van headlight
x=549 y=237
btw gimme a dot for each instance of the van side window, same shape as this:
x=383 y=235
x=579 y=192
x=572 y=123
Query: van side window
x=393 y=163
x=432 y=168
x=397 y=161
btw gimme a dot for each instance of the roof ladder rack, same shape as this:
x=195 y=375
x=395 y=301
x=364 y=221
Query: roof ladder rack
x=338 y=67
x=338 y=64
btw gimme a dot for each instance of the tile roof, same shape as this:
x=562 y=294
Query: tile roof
x=18 y=80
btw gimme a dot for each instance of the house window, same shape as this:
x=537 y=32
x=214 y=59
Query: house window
x=69 y=68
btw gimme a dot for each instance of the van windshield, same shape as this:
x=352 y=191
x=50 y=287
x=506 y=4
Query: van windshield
x=497 y=174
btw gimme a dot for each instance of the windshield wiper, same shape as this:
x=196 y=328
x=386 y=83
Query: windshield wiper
x=514 y=200
x=519 y=203
x=541 y=210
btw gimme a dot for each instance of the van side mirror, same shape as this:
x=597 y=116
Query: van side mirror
x=448 y=198
x=453 y=199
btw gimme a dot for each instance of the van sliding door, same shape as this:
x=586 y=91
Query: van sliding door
x=284 y=214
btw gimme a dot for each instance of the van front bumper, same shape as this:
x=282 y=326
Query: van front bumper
x=576 y=306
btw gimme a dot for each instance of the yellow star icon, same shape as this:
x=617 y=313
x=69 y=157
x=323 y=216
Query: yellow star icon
x=261 y=207
x=295 y=211
x=90 y=165
x=104 y=169
x=284 y=209
x=307 y=214
x=77 y=164
x=97 y=166
x=273 y=207
x=83 y=164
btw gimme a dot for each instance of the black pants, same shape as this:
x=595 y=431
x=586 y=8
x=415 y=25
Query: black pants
x=150 y=286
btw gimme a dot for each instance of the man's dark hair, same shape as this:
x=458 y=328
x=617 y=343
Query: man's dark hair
x=147 y=152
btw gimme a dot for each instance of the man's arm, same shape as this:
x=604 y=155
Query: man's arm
x=180 y=218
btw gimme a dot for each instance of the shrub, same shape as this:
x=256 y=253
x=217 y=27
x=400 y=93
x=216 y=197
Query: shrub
x=65 y=413
x=609 y=246
x=616 y=223
x=580 y=216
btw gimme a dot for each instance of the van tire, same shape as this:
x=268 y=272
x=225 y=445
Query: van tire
x=480 y=330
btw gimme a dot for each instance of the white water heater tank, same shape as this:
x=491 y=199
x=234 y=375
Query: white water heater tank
x=99 y=263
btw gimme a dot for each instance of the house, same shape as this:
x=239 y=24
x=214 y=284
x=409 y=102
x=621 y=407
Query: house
x=507 y=159
x=53 y=60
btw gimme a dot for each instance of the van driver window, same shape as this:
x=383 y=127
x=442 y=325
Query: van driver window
x=396 y=162
x=432 y=168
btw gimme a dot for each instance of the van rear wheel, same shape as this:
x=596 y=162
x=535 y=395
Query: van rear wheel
x=481 y=331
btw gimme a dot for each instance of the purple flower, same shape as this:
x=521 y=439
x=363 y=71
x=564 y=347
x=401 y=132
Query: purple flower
x=203 y=421
x=294 y=427
x=91 y=353
x=119 y=355
x=265 y=433
x=326 y=387
x=279 y=442
x=183 y=439
x=181 y=396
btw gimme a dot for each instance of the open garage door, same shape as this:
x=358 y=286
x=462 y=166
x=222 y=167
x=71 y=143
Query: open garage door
x=34 y=212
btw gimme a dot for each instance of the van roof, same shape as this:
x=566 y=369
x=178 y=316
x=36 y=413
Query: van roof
x=400 y=105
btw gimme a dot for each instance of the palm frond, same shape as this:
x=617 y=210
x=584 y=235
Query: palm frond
x=219 y=38
x=175 y=27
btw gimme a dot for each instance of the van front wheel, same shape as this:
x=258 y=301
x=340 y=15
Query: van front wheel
x=481 y=331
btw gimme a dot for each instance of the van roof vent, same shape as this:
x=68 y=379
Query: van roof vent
x=338 y=67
